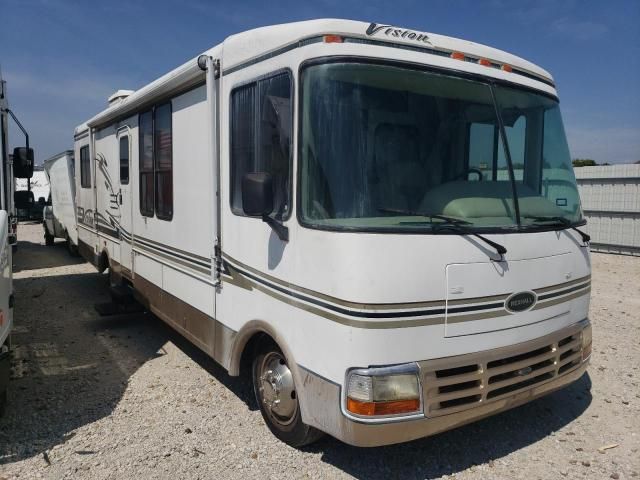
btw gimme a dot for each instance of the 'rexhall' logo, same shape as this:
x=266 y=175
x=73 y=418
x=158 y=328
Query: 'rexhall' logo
x=391 y=31
x=521 y=301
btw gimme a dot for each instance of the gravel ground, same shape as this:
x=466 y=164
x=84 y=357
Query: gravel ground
x=127 y=397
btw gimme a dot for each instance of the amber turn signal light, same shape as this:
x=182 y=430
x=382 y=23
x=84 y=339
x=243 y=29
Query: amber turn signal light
x=382 y=408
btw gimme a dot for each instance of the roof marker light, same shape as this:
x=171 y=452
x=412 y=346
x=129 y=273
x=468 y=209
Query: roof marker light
x=332 y=39
x=457 y=55
x=484 y=62
x=506 y=68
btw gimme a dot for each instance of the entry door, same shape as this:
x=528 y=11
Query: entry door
x=125 y=199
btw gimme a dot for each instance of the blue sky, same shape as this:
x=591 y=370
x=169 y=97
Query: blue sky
x=63 y=58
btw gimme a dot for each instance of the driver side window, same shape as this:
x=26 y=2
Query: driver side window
x=261 y=131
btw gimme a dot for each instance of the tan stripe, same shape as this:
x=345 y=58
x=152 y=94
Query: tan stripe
x=556 y=301
x=139 y=246
x=338 y=301
x=560 y=286
x=393 y=306
x=370 y=324
x=464 y=301
x=174 y=249
x=476 y=316
x=241 y=281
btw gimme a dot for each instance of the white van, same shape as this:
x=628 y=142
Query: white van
x=379 y=224
x=59 y=216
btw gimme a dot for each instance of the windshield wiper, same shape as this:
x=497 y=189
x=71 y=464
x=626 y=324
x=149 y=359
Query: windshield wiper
x=414 y=213
x=566 y=223
x=449 y=223
x=500 y=249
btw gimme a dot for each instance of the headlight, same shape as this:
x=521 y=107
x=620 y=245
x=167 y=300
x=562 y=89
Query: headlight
x=384 y=391
x=587 y=343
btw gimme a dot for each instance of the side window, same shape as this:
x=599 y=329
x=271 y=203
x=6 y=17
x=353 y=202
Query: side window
x=145 y=144
x=155 y=145
x=85 y=167
x=124 y=160
x=163 y=161
x=261 y=130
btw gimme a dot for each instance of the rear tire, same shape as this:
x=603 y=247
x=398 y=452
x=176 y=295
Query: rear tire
x=3 y=403
x=73 y=249
x=48 y=239
x=275 y=392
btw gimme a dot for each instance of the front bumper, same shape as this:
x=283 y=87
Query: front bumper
x=504 y=378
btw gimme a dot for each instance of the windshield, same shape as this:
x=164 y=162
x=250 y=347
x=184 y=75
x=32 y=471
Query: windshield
x=385 y=148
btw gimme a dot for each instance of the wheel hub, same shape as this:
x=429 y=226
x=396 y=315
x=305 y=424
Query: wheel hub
x=277 y=389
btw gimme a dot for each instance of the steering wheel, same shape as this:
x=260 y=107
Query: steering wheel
x=319 y=212
x=466 y=173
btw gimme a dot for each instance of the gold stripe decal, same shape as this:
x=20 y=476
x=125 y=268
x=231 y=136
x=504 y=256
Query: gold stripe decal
x=386 y=315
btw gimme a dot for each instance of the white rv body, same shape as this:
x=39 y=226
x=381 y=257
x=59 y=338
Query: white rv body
x=346 y=302
x=60 y=215
x=6 y=270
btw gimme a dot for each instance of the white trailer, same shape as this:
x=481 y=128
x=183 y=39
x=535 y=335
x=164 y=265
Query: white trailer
x=379 y=224
x=20 y=166
x=60 y=213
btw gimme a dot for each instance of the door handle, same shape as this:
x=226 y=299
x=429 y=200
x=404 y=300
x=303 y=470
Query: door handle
x=120 y=197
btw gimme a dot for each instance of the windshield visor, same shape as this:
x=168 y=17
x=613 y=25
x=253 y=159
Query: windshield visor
x=391 y=148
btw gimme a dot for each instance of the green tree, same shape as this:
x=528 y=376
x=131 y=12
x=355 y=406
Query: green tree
x=584 y=162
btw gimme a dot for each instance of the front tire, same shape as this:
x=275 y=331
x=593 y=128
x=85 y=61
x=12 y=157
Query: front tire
x=48 y=239
x=276 y=395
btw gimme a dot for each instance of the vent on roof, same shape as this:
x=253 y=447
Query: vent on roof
x=119 y=96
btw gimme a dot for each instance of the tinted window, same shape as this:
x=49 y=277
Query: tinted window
x=145 y=143
x=261 y=137
x=124 y=160
x=85 y=167
x=156 y=162
x=482 y=143
x=163 y=162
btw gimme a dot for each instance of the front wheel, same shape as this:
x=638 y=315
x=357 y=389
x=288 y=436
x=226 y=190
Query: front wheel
x=277 y=398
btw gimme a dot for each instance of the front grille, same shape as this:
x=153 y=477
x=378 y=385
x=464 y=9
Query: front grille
x=459 y=383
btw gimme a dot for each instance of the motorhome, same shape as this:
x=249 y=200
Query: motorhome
x=59 y=216
x=21 y=165
x=379 y=225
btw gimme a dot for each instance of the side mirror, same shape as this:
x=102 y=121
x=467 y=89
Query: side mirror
x=257 y=201
x=23 y=162
x=257 y=194
x=23 y=199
